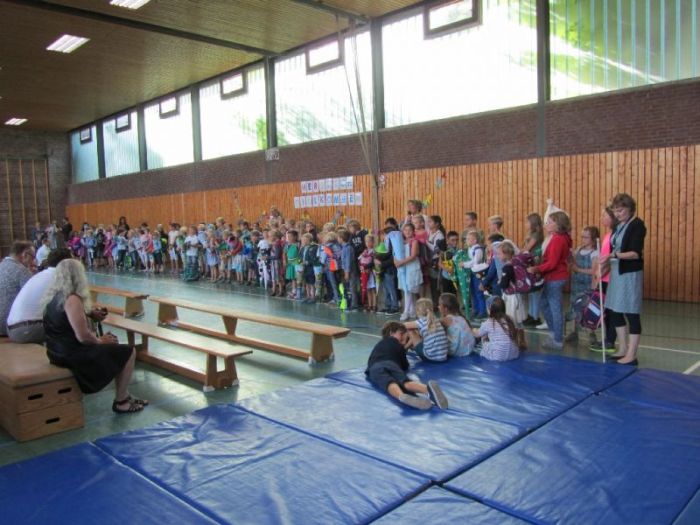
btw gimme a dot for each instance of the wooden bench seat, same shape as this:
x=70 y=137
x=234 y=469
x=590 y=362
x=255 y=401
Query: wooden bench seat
x=36 y=398
x=211 y=378
x=133 y=301
x=321 y=340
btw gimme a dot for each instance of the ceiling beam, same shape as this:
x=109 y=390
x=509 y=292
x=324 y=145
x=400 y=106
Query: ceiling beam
x=322 y=6
x=142 y=26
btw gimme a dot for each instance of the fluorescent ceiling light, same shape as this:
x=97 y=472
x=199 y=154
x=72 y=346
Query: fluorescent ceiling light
x=67 y=44
x=129 y=4
x=15 y=121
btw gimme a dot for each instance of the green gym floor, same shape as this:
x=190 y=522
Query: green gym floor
x=671 y=341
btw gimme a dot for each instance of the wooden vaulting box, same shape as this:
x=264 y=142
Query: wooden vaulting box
x=36 y=398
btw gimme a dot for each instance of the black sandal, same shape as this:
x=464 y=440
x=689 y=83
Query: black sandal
x=133 y=407
x=142 y=402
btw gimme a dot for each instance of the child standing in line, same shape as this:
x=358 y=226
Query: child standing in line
x=331 y=257
x=224 y=251
x=147 y=248
x=89 y=248
x=202 y=238
x=515 y=305
x=109 y=246
x=368 y=283
x=212 y=256
x=387 y=367
x=157 y=243
x=501 y=339
x=180 y=246
x=459 y=333
x=584 y=260
x=251 y=257
x=409 y=271
x=235 y=247
x=489 y=283
x=172 y=249
x=385 y=274
x=308 y=257
x=428 y=337
x=349 y=267
x=421 y=235
x=263 y=259
x=191 y=247
x=476 y=257
x=446 y=264
x=292 y=261
x=276 y=276
x=436 y=245
x=122 y=246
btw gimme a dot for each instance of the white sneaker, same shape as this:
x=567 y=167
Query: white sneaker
x=403 y=318
x=542 y=326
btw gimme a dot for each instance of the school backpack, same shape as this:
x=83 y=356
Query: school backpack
x=587 y=308
x=525 y=282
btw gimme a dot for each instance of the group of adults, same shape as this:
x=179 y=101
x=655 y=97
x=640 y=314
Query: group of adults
x=621 y=269
x=53 y=307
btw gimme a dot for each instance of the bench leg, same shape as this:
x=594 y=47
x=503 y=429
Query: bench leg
x=133 y=307
x=215 y=379
x=167 y=314
x=321 y=348
x=230 y=325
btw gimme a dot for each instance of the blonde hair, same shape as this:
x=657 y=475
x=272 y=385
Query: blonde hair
x=424 y=308
x=69 y=279
x=328 y=227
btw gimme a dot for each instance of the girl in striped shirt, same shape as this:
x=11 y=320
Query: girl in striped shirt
x=427 y=334
x=501 y=340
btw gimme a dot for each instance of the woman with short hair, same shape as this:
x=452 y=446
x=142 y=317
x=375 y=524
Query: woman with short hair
x=71 y=344
x=626 y=263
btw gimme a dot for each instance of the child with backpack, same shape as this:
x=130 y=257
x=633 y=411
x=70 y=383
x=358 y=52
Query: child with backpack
x=584 y=258
x=512 y=281
x=309 y=262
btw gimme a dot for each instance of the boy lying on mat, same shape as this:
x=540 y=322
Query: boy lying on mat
x=387 y=367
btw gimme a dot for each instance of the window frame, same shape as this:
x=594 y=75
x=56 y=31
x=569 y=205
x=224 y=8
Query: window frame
x=329 y=64
x=472 y=21
x=118 y=128
x=85 y=135
x=172 y=112
x=236 y=92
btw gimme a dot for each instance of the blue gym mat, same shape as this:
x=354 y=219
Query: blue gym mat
x=493 y=393
x=437 y=444
x=661 y=389
x=691 y=513
x=437 y=506
x=82 y=484
x=240 y=468
x=607 y=461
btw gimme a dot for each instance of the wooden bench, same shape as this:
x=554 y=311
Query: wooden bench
x=36 y=398
x=321 y=340
x=133 y=302
x=212 y=378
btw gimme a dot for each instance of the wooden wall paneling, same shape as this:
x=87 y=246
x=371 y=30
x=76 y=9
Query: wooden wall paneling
x=653 y=247
x=684 y=213
x=694 y=178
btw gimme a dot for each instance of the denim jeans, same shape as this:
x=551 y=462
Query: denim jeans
x=552 y=309
x=391 y=299
x=533 y=304
x=332 y=284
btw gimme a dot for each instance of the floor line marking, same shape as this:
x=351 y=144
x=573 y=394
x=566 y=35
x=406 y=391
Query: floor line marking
x=692 y=368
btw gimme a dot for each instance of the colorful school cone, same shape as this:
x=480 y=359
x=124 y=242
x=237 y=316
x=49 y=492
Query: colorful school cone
x=343 y=302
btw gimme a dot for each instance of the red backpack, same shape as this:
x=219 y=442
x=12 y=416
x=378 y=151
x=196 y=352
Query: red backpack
x=525 y=282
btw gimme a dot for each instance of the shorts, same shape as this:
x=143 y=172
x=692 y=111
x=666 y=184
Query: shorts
x=383 y=373
x=309 y=275
x=158 y=258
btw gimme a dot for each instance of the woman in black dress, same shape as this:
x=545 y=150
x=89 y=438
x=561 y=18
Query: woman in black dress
x=70 y=343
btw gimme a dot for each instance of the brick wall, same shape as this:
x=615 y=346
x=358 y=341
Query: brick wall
x=653 y=116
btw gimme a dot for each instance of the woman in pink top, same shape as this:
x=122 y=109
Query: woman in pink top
x=609 y=222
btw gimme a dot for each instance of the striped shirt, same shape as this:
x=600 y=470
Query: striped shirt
x=499 y=347
x=435 y=343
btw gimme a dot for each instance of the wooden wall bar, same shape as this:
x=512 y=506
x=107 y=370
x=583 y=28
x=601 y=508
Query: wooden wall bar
x=665 y=183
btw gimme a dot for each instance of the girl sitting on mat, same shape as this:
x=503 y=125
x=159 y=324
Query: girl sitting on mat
x=459 y=333
x=427 y=335
x=387 y=367
x=501 y=340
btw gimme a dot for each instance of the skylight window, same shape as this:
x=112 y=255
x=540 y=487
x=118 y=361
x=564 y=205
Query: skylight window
x=129 y=4
x=449 y=16
x=324 y=56
x=67 y=44
x=15 y=121
x=168 y=107
x=234 y=85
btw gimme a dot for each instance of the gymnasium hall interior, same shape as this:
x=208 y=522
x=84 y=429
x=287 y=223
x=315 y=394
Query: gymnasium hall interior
x=350 y=262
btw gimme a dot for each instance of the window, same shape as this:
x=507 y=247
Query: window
x=123 y=122
x=482 y=67
x=169 y=138
x=324 y=56
x=121 y=145
x=168 y=107
x=233 y=85
x=84 y=156
x=602 y=45
x=449 y=16
x=85 y=135
x=325 y=103
x=234 y=123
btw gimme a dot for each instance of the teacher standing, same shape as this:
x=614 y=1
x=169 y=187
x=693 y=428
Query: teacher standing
x=626 y=262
